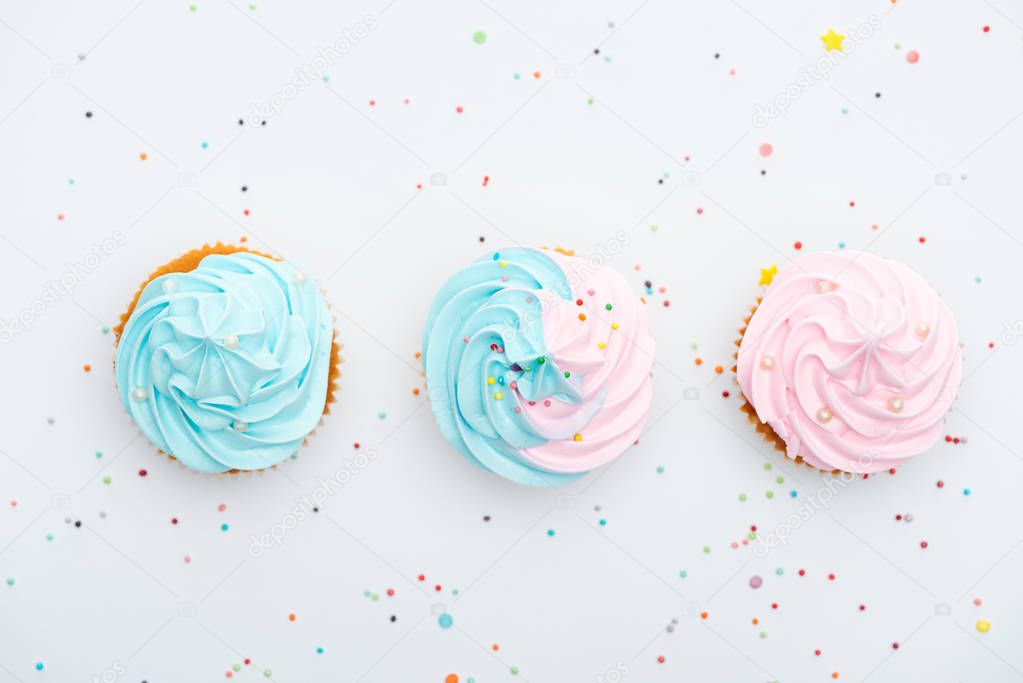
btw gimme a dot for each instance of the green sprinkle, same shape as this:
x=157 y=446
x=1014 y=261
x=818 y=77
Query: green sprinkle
x=106 y=480
x=763 y=634
x=382 y=414
x=267 y=673
x=237 y=667
x=845 y=110
x=70 y=181
x=375 y=597
x=99 y=454
x=779 y=571
x=768 y=466
x=105 y=329
x=567 y=374
x=589 y=101
x=977 y=279
x=742 y=497
x=479 y=37
x=49 y=537
x=515 y=671
x=683 y=573
x=607 y=306
x=660 y=469
x=10 y=581
x=706 y=549
x=516 y=76
x=541 y=360
x=779 y=480
x=770 y=494
x=192 y=8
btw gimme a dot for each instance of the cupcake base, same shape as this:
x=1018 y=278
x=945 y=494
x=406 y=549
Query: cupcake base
x=188 y=262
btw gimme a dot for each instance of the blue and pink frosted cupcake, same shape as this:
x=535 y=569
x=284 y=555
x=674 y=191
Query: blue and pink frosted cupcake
x=538 y=364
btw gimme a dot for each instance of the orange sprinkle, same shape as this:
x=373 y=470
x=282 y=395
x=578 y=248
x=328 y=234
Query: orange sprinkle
x=704 y=615
x=698 y=361
x=419 y=354
x=451 y=678
x=718 y=369
x=755 y=621
x=243 y=238
x=143 y=156
x=834 y=674
x=495 y=647
x=291 y=617
x=415 y=391
x=536 y=74
x=87 y=367
x=582 y=316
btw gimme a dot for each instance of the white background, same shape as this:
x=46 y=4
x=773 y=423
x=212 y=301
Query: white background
x=333 y=185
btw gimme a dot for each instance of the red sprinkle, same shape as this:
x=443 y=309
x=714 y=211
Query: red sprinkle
x=923 y=544
x=143 y=473
x=798 y=245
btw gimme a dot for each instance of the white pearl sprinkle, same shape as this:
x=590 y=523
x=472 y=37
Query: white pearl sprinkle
x=767 y=363
x=300 y=277
x=240 y=426
x=139 y=394
x=923 y=329
x=169 y=286
x=824 y=415
x=895 y=404
x=231 y=341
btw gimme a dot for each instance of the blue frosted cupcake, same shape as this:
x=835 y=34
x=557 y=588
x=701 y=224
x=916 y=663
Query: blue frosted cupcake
x=226 y=359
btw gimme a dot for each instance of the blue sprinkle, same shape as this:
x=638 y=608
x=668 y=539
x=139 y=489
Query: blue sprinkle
x=319 y=650
x=841 y=245
x=966 y=492
x=223 y=527
x=603 y=522
x=793 y=494
x=39 y=666
x=445 y=620
x=550 y=532
x=205 y=144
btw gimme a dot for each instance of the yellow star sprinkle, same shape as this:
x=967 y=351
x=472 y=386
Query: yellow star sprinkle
x=832 y=40
x=498 y=396
x=490 y=380
x=577 y=437
x=767 y=275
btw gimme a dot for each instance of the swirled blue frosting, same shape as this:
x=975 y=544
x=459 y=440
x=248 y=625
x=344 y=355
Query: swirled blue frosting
x=486 y=322
x=226 y=367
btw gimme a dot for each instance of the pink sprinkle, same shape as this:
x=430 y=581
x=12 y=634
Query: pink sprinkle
x=699 y=211
x=188 y=559
x=977 y=601
x=766 y=149
x=221 y=507
x=518 y=409
x=504 y=278
x=547 y=403
x=465 y=339
x=591 y=292
x=912 y=56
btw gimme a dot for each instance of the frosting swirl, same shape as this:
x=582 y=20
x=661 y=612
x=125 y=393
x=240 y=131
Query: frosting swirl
x=226 y=367
x=538 y=365
x=853 y=360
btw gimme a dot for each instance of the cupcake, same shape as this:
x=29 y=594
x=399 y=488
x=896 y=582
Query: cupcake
x=538 y=364
x=226 y=359
x=849 y=362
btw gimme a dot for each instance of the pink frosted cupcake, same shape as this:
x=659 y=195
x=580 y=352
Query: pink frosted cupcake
x=849 y=362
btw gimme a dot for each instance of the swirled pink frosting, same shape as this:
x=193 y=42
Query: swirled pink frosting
x=853 y=360
x=612 y=351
